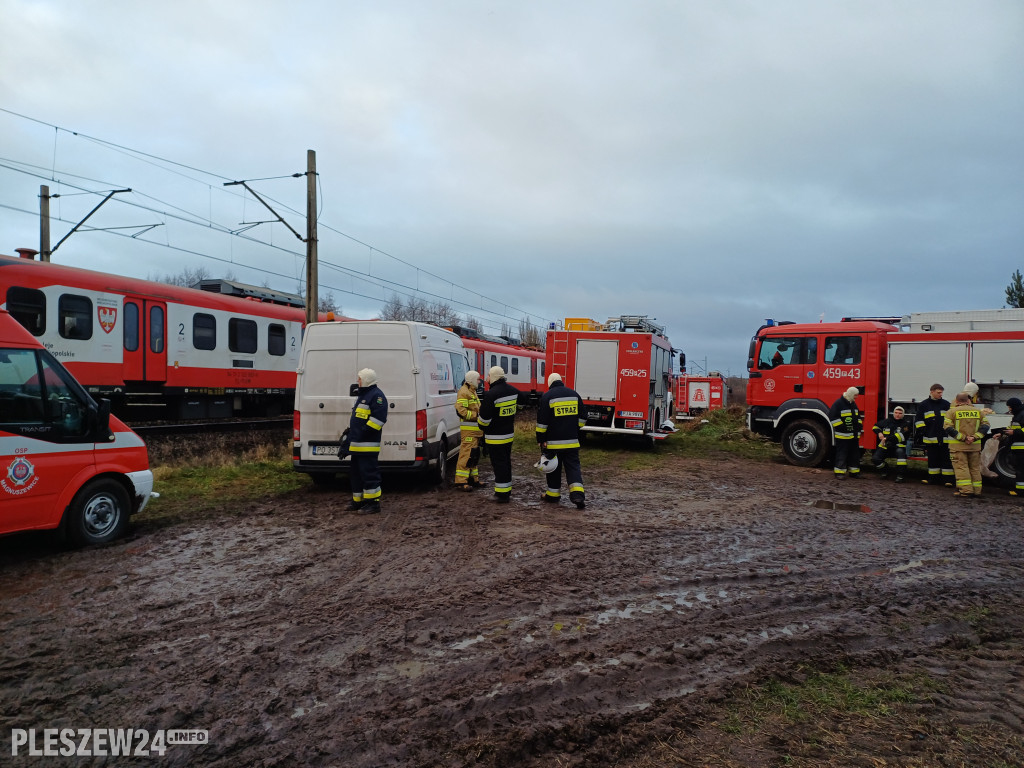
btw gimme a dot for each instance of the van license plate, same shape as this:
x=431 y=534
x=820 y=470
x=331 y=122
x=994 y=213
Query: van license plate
x=325 y=450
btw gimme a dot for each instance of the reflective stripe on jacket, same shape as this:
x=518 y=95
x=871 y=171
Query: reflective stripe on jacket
x=560 y=415
x=467 y=405
x=963 y=421
x=369 y=413
x=498 y=413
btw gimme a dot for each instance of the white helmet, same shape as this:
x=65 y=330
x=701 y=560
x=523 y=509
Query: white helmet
x=547 y=464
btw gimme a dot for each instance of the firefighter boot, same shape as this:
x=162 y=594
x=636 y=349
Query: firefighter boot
x=370 y=508
x=577 y=498
x=354 y=506
x=899 y=479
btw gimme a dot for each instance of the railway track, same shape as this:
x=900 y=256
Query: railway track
x=166 y=429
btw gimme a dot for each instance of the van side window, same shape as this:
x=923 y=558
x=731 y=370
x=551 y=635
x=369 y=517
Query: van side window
x=842 y=350
x=131 y=326
x=276 y=339
x=515 y=365
x=36 y=398
x=74 y=315
x=28 y=307
x=459 y=368
x=241 y=335
x=204 y=331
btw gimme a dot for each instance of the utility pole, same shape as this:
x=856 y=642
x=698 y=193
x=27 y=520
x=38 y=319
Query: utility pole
x=44 y=223
x=312 y=299
x=312 y=295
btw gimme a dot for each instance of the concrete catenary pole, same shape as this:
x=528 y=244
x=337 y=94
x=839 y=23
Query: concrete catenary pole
x=312 y=295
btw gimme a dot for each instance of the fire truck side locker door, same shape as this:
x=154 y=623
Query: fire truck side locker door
x=596 y=376
x=915 y=366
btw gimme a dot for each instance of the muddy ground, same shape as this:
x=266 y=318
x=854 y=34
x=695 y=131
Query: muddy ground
x=450 y=631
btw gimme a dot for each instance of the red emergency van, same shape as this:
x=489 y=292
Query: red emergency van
x=65 y=462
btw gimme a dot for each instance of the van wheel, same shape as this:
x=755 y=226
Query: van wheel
x=804 y=443
x=98 y=513
x=439 y=472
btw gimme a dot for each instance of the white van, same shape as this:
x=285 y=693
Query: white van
x=419 y=369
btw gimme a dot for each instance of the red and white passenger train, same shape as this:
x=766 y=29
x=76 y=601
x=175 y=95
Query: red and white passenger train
x=163 y=351
x=159 y=350
x=524 y=366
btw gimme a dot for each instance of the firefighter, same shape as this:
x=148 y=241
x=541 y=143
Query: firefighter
x=848 y=426
x=560 y=414
x=966 y=425
x=467 y=405
x=1016 y=433
x=892 y=442
x=369 y=413
x=497 y=419
x=929 y=431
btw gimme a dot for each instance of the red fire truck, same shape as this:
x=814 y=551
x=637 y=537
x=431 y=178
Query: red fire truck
x=699 y=394
x=798 y=370
x=622 y=369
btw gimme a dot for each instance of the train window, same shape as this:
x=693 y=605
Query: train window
x=204 y=331
x=156 y=329
x=74 y=315
x=131 y=326
x=276 y=339
x=541 y=379
x=241 y=335
x=494 y=360
x=504 y=363
x=28 y=306
x=515 y=365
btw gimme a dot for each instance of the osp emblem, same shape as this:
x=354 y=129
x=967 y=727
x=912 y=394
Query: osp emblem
x=21 y=476
x=107 y=317
x=769 y=385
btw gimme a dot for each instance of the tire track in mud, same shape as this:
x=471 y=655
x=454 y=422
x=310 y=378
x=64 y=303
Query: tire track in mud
x=450 y=631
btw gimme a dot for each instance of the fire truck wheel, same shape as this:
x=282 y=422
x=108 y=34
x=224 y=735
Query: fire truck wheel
x=1002 y=465
x=804 y=443
x=98 y=513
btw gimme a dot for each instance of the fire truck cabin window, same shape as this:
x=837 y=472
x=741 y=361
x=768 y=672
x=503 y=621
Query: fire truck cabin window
x=74 y=313
x=204 y=331
x=28 y=307
x=794 y=350
x=842 y=350
x=241 y=335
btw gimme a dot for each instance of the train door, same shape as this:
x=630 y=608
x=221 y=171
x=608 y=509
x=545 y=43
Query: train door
x=145 y=340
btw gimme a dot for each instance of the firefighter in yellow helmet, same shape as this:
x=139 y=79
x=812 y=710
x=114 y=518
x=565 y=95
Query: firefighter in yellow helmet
x=966 y=425
x=467 y=405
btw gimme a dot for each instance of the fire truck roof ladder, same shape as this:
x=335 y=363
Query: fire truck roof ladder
x=635 y=323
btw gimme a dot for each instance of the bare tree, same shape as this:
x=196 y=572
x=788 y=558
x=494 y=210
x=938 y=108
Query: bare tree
x=187 y=277
x=328 y=304
x=393 y=309
x=530 y=335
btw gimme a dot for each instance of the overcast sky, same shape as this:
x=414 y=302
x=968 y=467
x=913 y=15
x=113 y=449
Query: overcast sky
x=709 y=164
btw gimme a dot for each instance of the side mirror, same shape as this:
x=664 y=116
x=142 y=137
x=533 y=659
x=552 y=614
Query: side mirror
x=354 y=390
